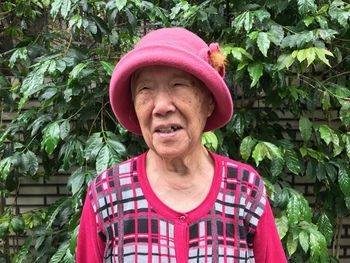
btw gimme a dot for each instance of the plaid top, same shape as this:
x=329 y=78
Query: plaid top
x=124 y=221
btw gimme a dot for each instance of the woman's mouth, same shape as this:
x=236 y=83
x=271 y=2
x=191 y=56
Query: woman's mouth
x=168 y=129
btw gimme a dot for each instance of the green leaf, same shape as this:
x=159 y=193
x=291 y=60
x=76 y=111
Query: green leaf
x=102 y=159
x=62 y=6
x=38 y=123
x=65 y=8
x=263 y=43
x=309 y=20
x=306 y=212
x=69 y=258
x=326 y=101
x=326 y=133
x=246 y=147
x=282 y=226
x=322 y=21
x=344 y=112
x=281 y=196
x=344 y=180
x=292 y=161
x=22 y=254
x=310 y=56
x=299 y=54
x=318 y=243
x=261 y=15
x=32 y=163
x=51 y=137
x=321 y=54
x=292 y=243
x=31 y=84
x=276 y=34
x=276 y=166
x=5 y=165
x=20 y=53
x=76 y=181
x=52 y=67
x=238 y=123
x=326 y=35
x=284 y=61
x=259 y=153
x=294 y=210
x=304 y=240
x=114 y=143
x=319 y=156
x=17 y=224
x=72 y=152
x=108 y=67
x=238 y=53
x=273 y=151
x=59 y=254
x=93 y=146
x=253 y=35
x=64 y=129
x=57 y=207
x=347 y=202
x=346 y=140
x=76 y=71
x=246 y=20
x=210 y=140
x=255 y=72
x=76 y=20
x=74 y=235
x=332 y=172
x=325 y=227
x=305 y=127
x=338 y=12
x=307 y=7
x=266 y=149
x=120 y=4
x=4 y=228
x=131 y=18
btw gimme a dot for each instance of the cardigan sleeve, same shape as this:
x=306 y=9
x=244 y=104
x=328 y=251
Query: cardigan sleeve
x=90 y=246
x=267 y=245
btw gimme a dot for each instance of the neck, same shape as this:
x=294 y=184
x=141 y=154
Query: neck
x=181 y=183
x=179 y=172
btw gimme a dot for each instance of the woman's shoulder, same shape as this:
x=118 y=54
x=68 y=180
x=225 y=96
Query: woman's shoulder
x=230 y=163
x=125 y=168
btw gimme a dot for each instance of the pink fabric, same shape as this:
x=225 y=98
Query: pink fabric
x=174 y=47
x=267 y=249
x=190 y=230
x=90 y=247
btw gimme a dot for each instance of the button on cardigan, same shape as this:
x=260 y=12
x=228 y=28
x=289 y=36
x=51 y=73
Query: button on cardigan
x=124 y=221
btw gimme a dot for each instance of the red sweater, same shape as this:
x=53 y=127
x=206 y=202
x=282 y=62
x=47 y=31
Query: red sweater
x=124 y=221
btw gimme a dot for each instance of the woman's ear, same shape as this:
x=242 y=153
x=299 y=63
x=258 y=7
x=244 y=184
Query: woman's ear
x=211 y=105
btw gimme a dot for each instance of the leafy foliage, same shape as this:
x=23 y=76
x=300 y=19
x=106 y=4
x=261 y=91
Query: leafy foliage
x=287 y=68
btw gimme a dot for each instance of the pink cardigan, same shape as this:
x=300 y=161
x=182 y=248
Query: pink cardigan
x=124 y=221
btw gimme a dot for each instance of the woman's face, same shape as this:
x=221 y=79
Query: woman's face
x=172 y=108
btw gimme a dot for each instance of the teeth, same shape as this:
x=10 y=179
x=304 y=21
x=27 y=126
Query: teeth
x=168 y=130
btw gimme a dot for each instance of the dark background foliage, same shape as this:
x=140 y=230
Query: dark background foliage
x=287 y=69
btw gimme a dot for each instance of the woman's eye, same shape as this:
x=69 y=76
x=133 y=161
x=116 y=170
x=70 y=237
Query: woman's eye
x=142 y=88
x=180 y=84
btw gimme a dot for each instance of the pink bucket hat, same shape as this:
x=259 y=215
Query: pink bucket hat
x=178 y=48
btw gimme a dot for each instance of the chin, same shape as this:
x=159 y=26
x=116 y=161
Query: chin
x=169 y=152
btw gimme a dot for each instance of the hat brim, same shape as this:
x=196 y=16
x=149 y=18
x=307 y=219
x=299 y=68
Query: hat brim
x=120 y=93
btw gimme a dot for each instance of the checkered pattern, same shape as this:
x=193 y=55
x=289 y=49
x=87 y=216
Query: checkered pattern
x=135 y=232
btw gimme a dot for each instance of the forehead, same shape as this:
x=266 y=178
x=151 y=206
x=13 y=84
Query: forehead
x=165 y=71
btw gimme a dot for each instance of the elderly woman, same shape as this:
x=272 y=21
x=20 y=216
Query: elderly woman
x=177 y=202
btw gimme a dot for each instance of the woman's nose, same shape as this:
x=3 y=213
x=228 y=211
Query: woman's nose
x=163 y=103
